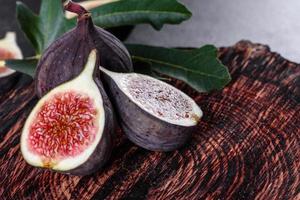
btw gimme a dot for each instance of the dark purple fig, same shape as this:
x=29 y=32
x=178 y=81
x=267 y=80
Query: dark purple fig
x=64 y=59
x=8 y=50
x=121 y=32
x=152 y=113
x=70 y=129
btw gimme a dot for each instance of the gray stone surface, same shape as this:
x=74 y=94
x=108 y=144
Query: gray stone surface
x=223 y=23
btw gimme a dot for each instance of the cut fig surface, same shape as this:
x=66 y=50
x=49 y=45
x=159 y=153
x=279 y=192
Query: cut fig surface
x=8 y=50
x=153 y=114
x=69 y=130
x=4 y=71
x=65 y=126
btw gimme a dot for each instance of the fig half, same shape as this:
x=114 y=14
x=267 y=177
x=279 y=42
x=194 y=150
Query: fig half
x=152 y=113
x=8 y=50
x=70 y=129
x=64 y=58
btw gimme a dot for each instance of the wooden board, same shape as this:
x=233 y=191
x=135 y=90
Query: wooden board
x=246 y=147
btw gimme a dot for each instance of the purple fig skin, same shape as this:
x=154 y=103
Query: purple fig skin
x=142 y=128
x=64 y=59
x=102 y=153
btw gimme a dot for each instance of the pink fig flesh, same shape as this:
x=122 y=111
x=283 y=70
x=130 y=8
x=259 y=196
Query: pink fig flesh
x=64 y=126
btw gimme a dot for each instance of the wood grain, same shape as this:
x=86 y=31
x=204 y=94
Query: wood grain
x=246 y=147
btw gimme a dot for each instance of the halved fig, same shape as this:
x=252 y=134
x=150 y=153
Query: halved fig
x=8 y=50
x=70 y=129
x=152 y=113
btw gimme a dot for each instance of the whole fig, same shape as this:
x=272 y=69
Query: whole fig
x=64 y=59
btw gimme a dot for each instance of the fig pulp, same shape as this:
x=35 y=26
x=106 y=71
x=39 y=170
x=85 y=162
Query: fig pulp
x=70 y=129
x=152 y=113
x=8 y=50
x=65 y=57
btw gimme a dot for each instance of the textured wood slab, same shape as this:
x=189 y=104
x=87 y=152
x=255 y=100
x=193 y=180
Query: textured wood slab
x=246 y=147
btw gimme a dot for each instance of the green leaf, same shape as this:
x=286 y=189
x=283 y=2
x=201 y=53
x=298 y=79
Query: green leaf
x=200 y=68
x=26 y=66
x=42 y=30
x=53 y=20
x=30 y=25
x=130 y=12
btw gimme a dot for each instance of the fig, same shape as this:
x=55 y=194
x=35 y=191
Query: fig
x=65 y=57
x=70 y=129
x=121 y=32
x=153 y=114
x=8 y=50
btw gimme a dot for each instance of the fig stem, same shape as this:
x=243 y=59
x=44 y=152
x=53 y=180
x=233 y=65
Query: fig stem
x=70 y=6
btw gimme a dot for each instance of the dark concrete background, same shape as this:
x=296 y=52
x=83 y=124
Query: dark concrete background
x=225 y=22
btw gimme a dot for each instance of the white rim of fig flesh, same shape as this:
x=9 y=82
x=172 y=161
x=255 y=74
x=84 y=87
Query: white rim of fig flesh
x=9 y=44
x=83 y=84
x=158 y=98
